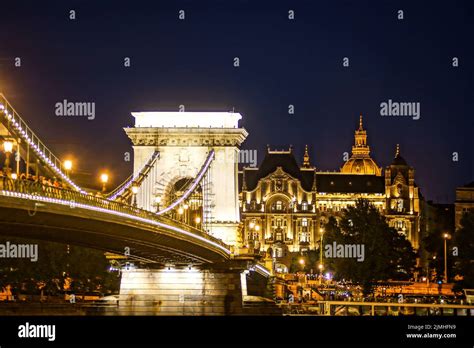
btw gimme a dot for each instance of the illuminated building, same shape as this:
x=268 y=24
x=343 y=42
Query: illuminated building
x=284 y=205
x=464 y=202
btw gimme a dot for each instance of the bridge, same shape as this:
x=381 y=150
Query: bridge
x=177 y=213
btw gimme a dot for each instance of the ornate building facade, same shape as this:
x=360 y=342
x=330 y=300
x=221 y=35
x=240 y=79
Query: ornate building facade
x=284 y=205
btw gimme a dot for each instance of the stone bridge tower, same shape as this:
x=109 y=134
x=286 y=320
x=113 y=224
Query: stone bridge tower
x=184 y=140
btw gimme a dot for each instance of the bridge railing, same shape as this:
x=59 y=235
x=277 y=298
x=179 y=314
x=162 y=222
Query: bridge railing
x=18 y=126
x=37 y=189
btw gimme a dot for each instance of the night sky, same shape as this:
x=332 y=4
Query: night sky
x=282 y=62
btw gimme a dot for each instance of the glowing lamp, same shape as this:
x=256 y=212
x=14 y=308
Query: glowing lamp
x=8 y=146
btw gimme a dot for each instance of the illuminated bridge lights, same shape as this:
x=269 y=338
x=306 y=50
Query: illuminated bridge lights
x=36 y=148
x=116 y=213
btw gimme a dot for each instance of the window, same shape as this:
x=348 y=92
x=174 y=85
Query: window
x=279 y=205
x=279 y=235
x=304 y=206
x=400 y=208
x=400 y=225
x=278 y=252
x=304 y=237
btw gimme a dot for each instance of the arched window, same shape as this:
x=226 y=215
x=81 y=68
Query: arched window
x=279 y=205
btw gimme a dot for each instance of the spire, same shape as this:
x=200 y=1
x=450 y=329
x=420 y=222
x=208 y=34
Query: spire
x=244 y=183
x=397 y=154
x=306 y=163
x=360 y=141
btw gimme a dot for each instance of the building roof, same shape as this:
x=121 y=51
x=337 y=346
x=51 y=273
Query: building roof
x=274 y=159
x=325 y=182
x=398 y=159
x=350 y=183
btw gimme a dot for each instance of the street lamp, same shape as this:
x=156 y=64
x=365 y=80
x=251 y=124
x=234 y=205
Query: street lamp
x=321 y=231
x=197 y=220
x=104 y=178
x=302 y=262
x=134 y=191
x=158 y=201
x=67 y=166
x=446 y=236
x=321 y=267
x=8 y=148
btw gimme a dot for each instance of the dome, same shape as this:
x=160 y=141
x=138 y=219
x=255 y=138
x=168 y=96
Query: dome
x=360 y=161
x=398 y=160
x=361 y=166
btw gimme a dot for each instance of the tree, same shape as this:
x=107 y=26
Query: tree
x=56 y=263
x=464 y=262
x=387 y=253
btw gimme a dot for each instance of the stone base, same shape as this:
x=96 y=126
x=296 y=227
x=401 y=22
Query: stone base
x=225 y=231
x=179 y=292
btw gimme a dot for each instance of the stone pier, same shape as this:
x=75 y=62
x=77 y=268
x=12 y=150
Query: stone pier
x=180 y=291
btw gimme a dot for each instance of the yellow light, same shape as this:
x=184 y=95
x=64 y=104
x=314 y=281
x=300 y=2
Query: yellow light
x=301 y=261
x=7 y=146
x=134 y=189
x=68 y=164
x=185 y=206
x=445 y=236
x=198 y=219
x=14 y=176
x=320 y=266
x=257 y=228
x=104 y=178
x=321 y=230
x=158 y=199
x=180 y=211
x=252 y=224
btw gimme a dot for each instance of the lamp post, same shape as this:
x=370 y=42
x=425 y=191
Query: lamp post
x=321 y=231
x=67 y=167
x=157 y=202
x=104 y=178
x=302 y=263
x=320 y=266
x=446 y=236
x=134 y=192
x=187 y=215
x=8 y=148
